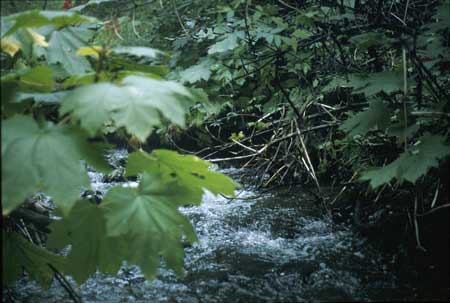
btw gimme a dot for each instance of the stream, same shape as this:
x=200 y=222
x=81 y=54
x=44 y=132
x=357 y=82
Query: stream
x=272 y=247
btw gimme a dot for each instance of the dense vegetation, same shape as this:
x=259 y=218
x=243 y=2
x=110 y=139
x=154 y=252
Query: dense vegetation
x=350 y=98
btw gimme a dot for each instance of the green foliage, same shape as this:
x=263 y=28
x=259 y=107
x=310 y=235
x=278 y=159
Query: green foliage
x=228 y=42
x=377 y=115
x=41 y=97
x=37 y=79
x=189 y=172
x=115 y=88
x=153 y=210
x=371 y=84
x=92 y=249
x=40 y=151
x=195 y=73
x=367 y=40
x=62 y=49
x=263 y=65
x=136 y=105
x=37 y=18
x=19 y=254
x=412 y=164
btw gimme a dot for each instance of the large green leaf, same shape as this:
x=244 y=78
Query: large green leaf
x=136 y=105
x=195 y=73
x=376 y=116
x=46 y=159
x=91 y=249
x=150 y=222
x=412 y=164
x=189 y=172
x=62 y=49
x=37 y=79
x=371 y=84
x=228 y=42
x=55 y=97
x=367 y=40
x=20 y=254
x=37 y=18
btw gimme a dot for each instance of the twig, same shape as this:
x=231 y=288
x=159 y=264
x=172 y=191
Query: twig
x=133 y=25
x=416 y=227
x=244 y=146
x=436 y=193
x=434 y=210
x=180 y=21
x=65 y=284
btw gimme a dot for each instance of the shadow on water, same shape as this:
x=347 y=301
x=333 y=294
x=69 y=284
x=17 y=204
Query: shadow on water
x=275 y=247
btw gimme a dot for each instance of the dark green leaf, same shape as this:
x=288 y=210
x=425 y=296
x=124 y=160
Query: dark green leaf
x=412 y=164
x=136 y=105
x=157 y=229
x=91 y=249
x=20 y=254
x=48 y=159
x=376 y=116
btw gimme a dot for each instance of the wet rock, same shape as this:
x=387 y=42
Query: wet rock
x=116 y=175
x=93 y=196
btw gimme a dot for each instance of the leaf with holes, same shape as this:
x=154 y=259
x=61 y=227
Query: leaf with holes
x=189 y=172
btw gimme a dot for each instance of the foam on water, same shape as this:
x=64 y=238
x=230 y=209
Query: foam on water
x=253 y=248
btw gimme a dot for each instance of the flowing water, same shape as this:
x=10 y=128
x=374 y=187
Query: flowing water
x=274 y=247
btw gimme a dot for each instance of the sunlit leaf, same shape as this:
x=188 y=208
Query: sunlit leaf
x=189 y=171
x=137 y=51
x=37 y=79
x=37 y=38
x=10 y=46
x=93 y=51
